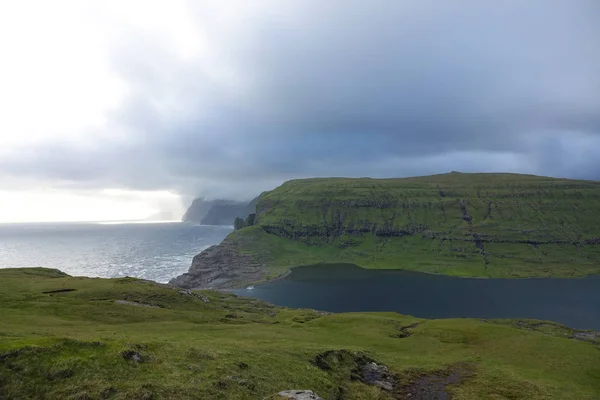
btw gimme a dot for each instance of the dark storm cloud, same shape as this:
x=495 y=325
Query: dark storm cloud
x=384 y=88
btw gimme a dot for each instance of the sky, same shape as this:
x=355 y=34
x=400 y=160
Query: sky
x=122 y=109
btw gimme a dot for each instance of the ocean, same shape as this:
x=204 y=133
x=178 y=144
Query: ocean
x=155 y=251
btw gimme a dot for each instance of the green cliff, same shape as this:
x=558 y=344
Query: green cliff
x=65 y=337
x=481 y=225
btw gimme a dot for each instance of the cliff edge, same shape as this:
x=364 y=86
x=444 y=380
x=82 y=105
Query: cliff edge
x=475 y=225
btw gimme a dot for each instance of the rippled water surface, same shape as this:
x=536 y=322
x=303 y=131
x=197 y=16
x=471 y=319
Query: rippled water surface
x=156 y=251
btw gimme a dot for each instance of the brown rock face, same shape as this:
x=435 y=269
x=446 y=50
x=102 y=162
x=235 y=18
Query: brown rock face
x=220 y=266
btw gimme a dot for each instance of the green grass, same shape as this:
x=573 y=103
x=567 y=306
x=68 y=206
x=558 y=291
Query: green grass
x=71 y=345
x=517 y=225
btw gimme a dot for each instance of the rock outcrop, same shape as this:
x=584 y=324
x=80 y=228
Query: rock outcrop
x=221 y=266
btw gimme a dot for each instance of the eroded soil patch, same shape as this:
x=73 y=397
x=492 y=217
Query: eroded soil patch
x=433 y=385
x=411 y=384
x=403 y=331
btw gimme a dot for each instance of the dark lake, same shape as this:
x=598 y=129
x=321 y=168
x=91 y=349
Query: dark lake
x=348 y=288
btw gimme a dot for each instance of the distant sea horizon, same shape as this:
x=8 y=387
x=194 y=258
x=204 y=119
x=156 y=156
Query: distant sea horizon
x=154 y=250
x=107 y=221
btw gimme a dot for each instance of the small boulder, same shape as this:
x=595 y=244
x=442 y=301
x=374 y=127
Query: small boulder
x=378 y=375
x=299 y=395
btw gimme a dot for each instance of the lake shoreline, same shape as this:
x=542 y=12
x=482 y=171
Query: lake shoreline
x=289 y=271
x=350 y=288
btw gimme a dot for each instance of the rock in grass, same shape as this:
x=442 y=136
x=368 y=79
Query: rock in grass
x=132 y=355
x=299 y=395
x=378 y=375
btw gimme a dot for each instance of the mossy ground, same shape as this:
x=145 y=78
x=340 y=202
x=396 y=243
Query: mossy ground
x=476 y=225
x=79 y=345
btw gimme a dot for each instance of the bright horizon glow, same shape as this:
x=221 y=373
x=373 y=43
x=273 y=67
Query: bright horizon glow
x=137 y=222
x=53 y=205
x=95 y=222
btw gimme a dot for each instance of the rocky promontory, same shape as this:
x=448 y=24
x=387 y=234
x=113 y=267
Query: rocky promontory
x=221 y=266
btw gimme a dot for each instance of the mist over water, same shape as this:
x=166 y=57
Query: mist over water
x=155 y=251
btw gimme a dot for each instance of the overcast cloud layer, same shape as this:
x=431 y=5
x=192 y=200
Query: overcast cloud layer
x=228 y=99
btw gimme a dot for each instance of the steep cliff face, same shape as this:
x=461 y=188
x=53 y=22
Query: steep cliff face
x=224 y=212
x=487 y=225
x=504 y=207
x=217 y=212
x=197 y=210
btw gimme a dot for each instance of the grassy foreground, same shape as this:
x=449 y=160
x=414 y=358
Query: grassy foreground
x=482 y=225
x=67 y=337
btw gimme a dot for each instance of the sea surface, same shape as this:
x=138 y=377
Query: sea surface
x=347 y=288
x=156 y=251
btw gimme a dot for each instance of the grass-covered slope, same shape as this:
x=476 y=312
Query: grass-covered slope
x=63 y=337
x=489 y=225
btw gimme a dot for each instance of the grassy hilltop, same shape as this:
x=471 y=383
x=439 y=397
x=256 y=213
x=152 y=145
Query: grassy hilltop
x=484 y=225
x=64 y=337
